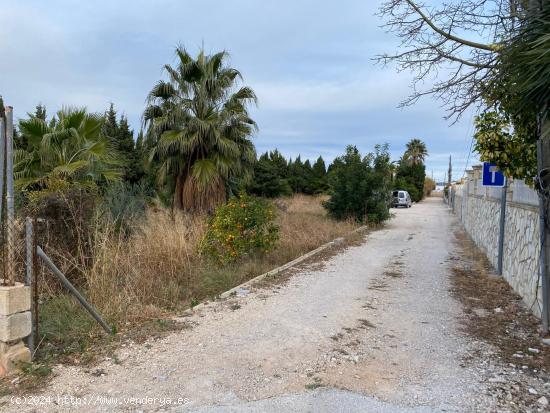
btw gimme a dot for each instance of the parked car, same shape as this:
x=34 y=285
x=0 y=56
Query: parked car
x=401 y=198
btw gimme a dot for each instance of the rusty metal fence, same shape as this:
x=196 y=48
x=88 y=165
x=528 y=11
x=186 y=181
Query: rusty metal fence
x=21 y=238
x=9 y=227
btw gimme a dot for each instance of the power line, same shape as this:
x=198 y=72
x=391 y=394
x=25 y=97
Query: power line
x=468 y=158
x=471 y=145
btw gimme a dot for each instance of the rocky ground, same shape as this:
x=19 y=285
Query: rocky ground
x=405 y=321
x=510 y=353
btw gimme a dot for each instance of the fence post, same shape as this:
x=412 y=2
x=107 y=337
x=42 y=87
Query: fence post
x=34 y=290
x=29 y=276
x=14 y=297
x=2 y=179
x=9 y=263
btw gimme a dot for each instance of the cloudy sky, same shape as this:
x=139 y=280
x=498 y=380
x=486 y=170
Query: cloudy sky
x=310 y=63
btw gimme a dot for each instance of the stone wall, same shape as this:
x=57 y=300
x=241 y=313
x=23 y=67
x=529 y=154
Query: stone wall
x=478 y=208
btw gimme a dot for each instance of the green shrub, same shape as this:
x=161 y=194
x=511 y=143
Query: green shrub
x=410 y=177
x=360 y=187
x=404 y=185
x=242 y=226
x=268 y=181
x=124 y=203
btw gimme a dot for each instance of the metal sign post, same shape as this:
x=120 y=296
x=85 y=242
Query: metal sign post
x=501 y=228
x=492 y=176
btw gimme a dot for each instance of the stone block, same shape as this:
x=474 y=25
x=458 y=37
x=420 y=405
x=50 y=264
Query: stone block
x=14 y=299
x=11 y=359
x=16 y=326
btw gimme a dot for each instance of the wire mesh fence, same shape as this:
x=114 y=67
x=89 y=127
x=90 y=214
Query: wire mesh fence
x=14 y=252
x=10 y=239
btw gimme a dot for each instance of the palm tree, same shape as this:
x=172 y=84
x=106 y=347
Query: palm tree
x=416 y=151
x=200 y=128
x=70 y=147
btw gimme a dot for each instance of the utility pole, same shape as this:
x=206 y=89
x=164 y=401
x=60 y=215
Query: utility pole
x=450 y=172
x=449 y=178
x=543 y=186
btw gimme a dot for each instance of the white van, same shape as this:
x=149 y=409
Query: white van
x=401 y=198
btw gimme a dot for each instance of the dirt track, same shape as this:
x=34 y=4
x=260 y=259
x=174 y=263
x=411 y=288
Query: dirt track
x=374 y=329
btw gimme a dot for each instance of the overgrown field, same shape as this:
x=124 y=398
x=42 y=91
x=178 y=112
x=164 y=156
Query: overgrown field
x=157 y=270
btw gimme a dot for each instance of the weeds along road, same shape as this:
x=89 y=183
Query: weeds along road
x=373 y=329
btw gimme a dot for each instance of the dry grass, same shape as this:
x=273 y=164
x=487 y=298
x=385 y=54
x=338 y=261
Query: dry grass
x=305 y=226
x=153 y=271
x=157 y=270
x=144 y=278
x=510 y=330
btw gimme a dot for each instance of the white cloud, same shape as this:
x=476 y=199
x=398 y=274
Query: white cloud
x=374 y=89
x=308 y=61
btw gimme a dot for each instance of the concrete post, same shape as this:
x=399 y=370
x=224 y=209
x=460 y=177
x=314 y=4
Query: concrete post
x=15 y=298
x=9 y=223
x=15 y=324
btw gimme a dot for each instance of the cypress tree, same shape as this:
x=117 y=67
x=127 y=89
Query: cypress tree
x=124 y=137
x=280 y=163
x=40 y=112
x=320 y=175
x=309 y=184
x=296 y=177
x=127 y=149
x=122 y=140
x=267 y=179
x=139 y=143
x=110 y=126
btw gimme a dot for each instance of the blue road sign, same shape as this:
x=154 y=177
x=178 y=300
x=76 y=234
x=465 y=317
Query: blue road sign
x=491 y=175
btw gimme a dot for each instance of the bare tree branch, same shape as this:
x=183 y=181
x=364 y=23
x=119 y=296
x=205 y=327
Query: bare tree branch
x=490 y=47
x=453 y=48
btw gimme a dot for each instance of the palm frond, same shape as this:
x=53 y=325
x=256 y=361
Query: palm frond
x=200 y=125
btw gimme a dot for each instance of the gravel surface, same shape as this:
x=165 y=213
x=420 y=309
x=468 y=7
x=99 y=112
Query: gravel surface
x=376 y=321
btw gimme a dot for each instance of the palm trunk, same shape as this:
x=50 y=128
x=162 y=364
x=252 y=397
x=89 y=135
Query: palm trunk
x=201 y=200
x=178 y=193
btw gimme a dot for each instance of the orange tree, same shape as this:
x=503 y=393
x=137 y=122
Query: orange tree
x=244 y=225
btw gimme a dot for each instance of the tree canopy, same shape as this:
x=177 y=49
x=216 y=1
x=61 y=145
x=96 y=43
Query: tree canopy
x=416 y=151
x=360 y=186
x=491 y=54
x=70 y=147
x=457 y=43
x=275 y=176
x=198 y=123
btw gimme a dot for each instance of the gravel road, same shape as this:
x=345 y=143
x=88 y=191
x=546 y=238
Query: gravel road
x=372 y=330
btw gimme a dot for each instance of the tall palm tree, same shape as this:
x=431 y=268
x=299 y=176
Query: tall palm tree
x=69 y=147
x=199 y=124
x=416 y=151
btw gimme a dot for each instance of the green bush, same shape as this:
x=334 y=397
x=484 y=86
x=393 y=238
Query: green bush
x=268 y=181
x=242 y=226
x=410 y=177
x=404 y=185
x=360 y=187
x=124 y=203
